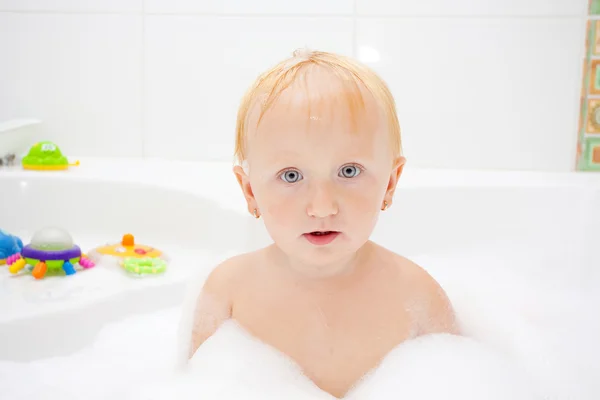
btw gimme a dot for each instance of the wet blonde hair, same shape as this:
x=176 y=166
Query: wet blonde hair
x=352 y=75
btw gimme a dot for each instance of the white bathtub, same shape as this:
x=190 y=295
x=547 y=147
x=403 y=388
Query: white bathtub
x=196 y=213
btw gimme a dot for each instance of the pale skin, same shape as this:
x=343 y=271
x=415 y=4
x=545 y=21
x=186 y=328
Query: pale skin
x=336 y=309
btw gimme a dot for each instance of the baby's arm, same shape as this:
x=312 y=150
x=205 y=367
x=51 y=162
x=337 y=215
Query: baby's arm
x=214 y=304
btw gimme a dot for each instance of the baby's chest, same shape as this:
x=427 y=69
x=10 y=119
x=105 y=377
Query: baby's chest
x=347 y=346
x=334 y=343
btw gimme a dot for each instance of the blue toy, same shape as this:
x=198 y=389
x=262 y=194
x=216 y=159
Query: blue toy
x=9 y=246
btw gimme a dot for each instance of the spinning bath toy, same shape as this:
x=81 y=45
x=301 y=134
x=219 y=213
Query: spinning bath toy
x=51 y=251
x=9 y=246
x=46 y=156
x=136 y=259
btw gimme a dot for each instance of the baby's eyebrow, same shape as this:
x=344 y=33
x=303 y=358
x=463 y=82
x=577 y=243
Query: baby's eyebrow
x=281 y=156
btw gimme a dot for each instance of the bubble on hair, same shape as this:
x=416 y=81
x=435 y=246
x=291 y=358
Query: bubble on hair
x=299 y=55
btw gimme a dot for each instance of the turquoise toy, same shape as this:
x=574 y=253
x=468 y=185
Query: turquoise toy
x=9 y=246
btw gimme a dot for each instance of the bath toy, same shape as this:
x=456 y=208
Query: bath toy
x=9 y=246
x=144 y=266
x=135 y=258
x=46 y=156
x=52 y=252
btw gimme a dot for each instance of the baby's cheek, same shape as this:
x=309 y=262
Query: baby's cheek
x=281 y=210
x=363 y=209
x=365 y=200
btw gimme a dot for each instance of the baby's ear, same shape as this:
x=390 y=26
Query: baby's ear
x=244 y=181
x=397 y=168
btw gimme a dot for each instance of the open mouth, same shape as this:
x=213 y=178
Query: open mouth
x=321 y=237
x=321 y=233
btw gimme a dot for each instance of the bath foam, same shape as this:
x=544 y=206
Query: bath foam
x=530 y=321
x=447 y=367
x=534 y=312
x=538 y=308
x=129 y=353
x=233 y=365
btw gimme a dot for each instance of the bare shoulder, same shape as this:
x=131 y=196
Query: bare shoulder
x=215 y=300
x=425 y=296
x=225 y=276
x=435 y=312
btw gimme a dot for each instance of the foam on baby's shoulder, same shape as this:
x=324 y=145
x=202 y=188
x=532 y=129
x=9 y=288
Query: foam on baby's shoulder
x=444 y=366
x=184 y=336
x=232 y=364
x=192 y=292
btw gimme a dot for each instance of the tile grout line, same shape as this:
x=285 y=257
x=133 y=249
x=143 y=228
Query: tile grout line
x=354 y=15
x=354 y=30
x=143 y=83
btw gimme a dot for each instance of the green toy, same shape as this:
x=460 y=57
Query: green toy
x=144 y=266
x=46 y=156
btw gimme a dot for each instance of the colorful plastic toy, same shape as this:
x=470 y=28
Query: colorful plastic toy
x=144 y=266
x=46 y=156
x=9 y=246
x=51 y=252
x=136 y=259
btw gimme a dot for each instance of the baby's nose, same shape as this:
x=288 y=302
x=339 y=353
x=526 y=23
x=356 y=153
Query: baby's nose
x=322 y=202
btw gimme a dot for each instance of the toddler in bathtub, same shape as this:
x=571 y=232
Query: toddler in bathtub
x=319 y=156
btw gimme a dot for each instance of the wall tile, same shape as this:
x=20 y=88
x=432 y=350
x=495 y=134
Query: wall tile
x=327 y=7
x=588 y=133
x=481 y=93
x=594 y=7
x=199 y=67
x=79 y=74
x=72 y=5
x=472 y=7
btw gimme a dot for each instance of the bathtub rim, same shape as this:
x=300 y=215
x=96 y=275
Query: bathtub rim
x=178 y=175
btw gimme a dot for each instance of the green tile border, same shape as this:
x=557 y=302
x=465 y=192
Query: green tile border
x=594 y=8
x=588 y=145
x=583 y=101
x=590 y=37
x=583 y=143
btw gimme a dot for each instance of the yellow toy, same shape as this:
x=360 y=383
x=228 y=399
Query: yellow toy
x=135 y=258
x=128 y=248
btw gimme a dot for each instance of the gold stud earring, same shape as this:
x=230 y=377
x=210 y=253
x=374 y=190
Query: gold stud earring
x=385 y=206
x=255 y=213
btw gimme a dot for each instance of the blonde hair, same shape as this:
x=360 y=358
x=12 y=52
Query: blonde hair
x=269 y=86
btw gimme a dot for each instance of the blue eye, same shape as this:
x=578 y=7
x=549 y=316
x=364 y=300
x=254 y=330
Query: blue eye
x=350 y=171
x=291 y=176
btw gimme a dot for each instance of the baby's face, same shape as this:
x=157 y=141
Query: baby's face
x=318 y=181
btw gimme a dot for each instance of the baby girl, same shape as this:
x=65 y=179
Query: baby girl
x=319 y=156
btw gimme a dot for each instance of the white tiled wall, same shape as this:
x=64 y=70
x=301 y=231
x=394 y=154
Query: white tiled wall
x=194 y=82
x=479 y=83
x=81 y=74
x=482 y=91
